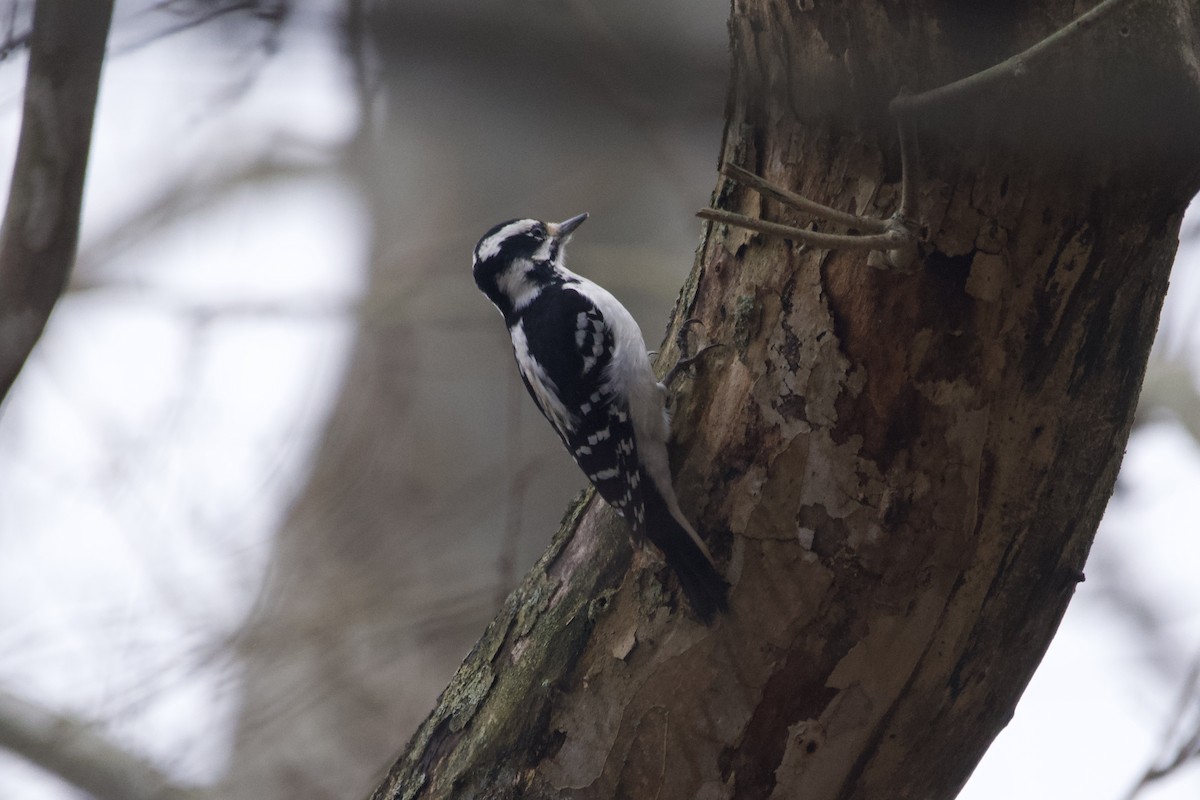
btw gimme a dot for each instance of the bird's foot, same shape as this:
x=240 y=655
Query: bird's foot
x=685 y=361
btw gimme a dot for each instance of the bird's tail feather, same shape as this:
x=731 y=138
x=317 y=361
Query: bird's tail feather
x=706 y=590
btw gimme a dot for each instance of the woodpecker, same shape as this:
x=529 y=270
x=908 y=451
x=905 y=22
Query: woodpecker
x=582 y=357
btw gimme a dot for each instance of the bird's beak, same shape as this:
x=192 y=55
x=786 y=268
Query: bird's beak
x=563 y=229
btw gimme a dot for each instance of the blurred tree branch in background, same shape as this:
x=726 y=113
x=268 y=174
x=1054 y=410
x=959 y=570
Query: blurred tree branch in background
x=1181 y=740
x=1170 y=389
x=41 y=222
x=80 y=755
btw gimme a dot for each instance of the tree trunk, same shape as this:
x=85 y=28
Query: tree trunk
x=901 y=473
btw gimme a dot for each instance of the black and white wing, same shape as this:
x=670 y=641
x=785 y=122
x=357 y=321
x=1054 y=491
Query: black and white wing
x=564 y=349
x=564 y=346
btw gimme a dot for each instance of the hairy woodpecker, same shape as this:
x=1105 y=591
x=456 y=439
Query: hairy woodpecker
x=584 y=362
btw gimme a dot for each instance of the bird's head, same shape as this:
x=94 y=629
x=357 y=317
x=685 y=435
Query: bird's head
x=516 y=259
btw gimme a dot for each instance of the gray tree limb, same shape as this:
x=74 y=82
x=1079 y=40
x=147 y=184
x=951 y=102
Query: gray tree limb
x=41 y=223
x=77 y=753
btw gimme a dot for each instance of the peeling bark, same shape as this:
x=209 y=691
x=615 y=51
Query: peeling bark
x=901 y=473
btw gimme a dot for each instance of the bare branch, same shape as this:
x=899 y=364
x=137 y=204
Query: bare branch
x=896 y=238
x=832 y=241
x=910 y=164
x=77 y=753
x=14 y=39
x=801 y=203
x=41 y=223
x=1181 y=744
x=273 y=12
x=1014 y=67
x=182 y=199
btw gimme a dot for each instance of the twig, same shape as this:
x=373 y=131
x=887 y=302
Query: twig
x=800 y=202
x=1188 y=749
x=12 y=40
x=910 y=163
x=1014 y=67
x=77 y=753
x=897 y=236
x=830 y=241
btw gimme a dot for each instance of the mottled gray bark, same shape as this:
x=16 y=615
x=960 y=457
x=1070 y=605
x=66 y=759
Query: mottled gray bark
x=901 y=473
x=41 y=222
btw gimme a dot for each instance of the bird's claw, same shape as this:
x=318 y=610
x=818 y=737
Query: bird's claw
x=685 y=360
